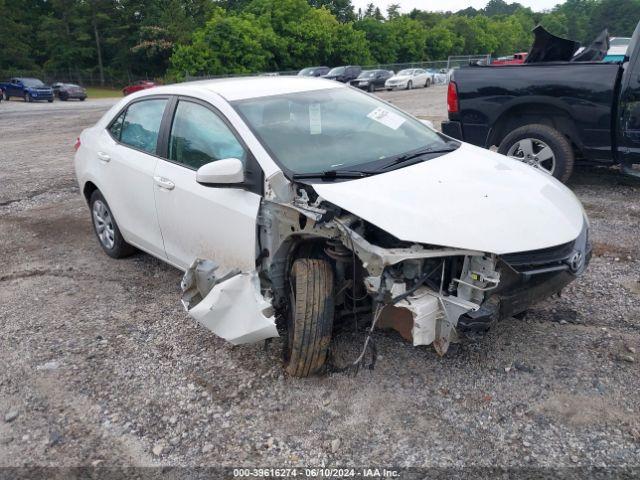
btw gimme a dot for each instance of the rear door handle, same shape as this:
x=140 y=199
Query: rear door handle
x=164 y=183
x=103 y=157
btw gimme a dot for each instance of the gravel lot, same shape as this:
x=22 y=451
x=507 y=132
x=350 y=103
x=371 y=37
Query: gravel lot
x=99 y=365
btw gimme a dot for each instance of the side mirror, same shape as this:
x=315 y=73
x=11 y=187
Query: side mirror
x=428 y=123
x=227 y=171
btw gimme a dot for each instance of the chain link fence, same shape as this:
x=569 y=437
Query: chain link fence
x=441 y=68
x=91 y=78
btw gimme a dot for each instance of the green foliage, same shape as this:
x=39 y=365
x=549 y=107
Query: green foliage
x=227 y=44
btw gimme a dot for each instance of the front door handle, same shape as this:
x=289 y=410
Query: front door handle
x=103 y=157
x=164 y=183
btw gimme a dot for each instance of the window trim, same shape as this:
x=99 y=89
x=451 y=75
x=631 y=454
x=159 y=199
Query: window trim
x=125 y=108
x=251 y=164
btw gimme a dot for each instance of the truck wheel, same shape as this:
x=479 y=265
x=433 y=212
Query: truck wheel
x=106 y=228
x=310 y=317
x=541 y=147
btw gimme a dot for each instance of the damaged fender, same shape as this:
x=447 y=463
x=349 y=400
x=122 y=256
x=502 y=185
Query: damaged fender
x=231 y=306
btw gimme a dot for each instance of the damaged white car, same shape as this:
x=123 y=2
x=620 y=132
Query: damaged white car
x=294 y=203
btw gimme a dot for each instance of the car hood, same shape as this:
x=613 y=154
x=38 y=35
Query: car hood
x=400 y=77
x=471 y=199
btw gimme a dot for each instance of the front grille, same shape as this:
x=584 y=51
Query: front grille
x=540 y=258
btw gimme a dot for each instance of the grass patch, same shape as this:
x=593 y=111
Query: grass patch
x=101 y=92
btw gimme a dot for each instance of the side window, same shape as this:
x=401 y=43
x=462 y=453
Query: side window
x=116 y=126
x=199 y=136
x=141 y=124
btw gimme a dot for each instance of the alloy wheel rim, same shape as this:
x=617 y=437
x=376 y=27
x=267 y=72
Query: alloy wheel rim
x=534 y=152
x=103 y=223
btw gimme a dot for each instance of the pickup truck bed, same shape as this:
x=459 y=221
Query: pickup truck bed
x=575 y=98
x=551 y=114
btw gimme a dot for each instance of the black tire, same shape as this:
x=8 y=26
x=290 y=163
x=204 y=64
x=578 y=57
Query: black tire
x=121 y=248
x=428 y=84
x=372 y=88
x=559 y=144
x=50 y=100
x=410 y=85
x=82 y=99
x=28 y=98
x=310 y=319
x=63 y=97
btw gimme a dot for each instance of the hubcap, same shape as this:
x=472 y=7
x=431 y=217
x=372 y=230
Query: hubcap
x=534 y=152
x=104 y=224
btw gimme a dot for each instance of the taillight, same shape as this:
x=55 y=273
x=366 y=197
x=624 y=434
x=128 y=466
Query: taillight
x=453 y=105
x=76 y=145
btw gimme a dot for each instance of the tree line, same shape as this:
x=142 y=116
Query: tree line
x=173 y=38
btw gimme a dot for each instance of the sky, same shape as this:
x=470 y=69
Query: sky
x=452 y=5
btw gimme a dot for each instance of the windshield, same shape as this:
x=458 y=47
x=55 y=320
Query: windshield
x=336 y=71
x=370 y=74
x=32 y=82
x=306 y=71
x=334 y=129
x=405 y=73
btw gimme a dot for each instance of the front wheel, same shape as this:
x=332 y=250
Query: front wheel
x=410 y=85
x=28 y=98
x=542 y=147
x=372 y=88
x=310 y=316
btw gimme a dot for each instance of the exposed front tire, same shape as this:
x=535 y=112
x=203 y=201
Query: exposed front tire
x=310 y=317
x=372 y=88
x=410 y=85
x=106 y=228
x=542 y=147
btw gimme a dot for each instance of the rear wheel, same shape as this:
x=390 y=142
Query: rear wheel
x=310 y=317
x=542 y=147
x=106 y=228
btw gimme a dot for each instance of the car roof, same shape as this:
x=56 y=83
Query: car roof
x=241 y=88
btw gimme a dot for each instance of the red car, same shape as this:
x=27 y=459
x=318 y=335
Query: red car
x=137 y=86
x=515 y=59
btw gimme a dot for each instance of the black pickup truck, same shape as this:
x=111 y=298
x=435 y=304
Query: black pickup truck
x=550 y=113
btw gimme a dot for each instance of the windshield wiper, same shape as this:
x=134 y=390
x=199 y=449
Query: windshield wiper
x=417 y=154
x=331 y=174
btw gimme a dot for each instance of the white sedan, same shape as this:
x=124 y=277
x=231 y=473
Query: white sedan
x=294 y=203
x=408 y=79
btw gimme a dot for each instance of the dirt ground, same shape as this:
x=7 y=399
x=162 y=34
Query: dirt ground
x=100 y=365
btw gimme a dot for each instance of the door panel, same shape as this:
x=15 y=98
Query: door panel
x=127 y=185
x=211 y=223
x=197 y=221
x=127 y=168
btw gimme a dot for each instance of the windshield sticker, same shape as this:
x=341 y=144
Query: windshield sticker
x=315 y=119
x=386 y=118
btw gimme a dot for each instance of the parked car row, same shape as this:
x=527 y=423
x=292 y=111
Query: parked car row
x=33 y=89
x=372 y=80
